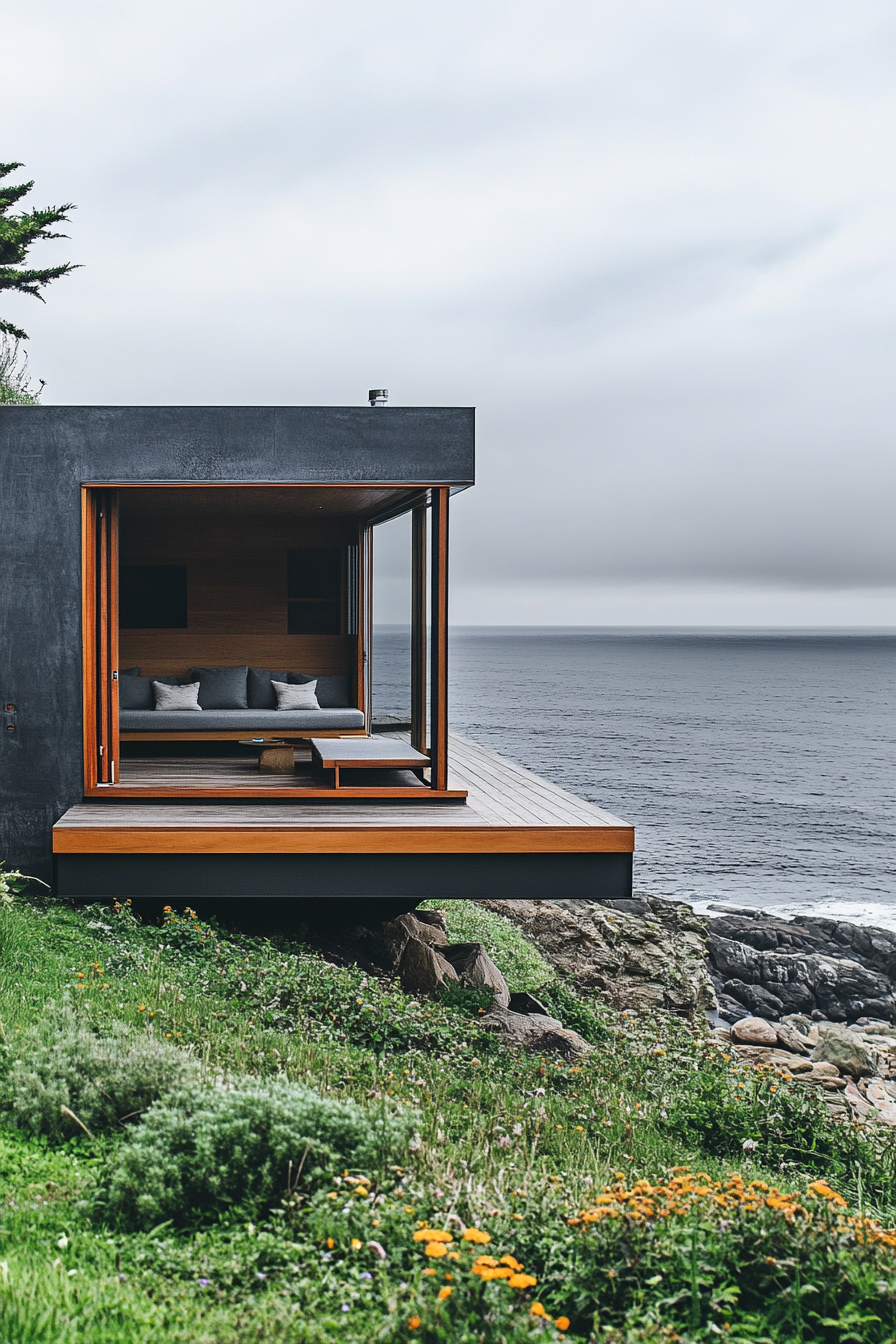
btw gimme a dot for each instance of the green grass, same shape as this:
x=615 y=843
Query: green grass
x=516 y=1146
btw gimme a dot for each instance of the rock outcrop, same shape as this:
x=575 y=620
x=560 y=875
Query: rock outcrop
x=415 y=947
x=767 y=967
x=854 y=1068
x=642 y=954
x=536 y=1032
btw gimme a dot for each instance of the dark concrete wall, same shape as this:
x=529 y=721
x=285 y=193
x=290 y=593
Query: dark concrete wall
x=46 y=453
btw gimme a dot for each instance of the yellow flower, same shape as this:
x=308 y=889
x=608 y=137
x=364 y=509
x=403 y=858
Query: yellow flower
x=509 y=1260
x=562 y=1322
x=427 y=1271
x=486 y=1274
x=537 y=1309
x=444 y=1293
x=433 y=1234
x=521 y=1281
x=330 y=1243
x=414 y=1323
x=365 y=1194
x=435 y=1250
x=356 y=1244
x=454 y=1255
x=474 y=1234
x=485 y=1261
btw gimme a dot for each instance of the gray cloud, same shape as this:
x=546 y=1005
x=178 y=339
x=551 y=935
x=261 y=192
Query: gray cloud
x=654 y=245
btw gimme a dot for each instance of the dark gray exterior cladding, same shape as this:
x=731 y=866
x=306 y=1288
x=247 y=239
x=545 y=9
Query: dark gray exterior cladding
x=48 y=452
x=327 y=445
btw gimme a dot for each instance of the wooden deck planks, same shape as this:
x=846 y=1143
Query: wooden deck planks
x=508 y=810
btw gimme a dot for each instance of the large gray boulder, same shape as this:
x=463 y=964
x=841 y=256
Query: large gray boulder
x=842 y=1048
x=423 y=970
x=642 y=954
x=475 y=968
x=754 y=1031
x=534 y=1033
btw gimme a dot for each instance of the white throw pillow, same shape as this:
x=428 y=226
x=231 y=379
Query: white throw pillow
x=176 y=697
x=296 y=697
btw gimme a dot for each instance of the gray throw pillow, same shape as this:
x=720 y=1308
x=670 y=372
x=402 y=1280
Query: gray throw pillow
x=221 y=687
x=176 y=697
x=260 y=692
x=291 y=696
x=332 y=692
x=135 y=693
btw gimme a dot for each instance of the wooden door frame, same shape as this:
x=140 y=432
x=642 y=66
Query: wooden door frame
x=438 y=688
x=99 y=636
x=99 y=643
x=418 y=627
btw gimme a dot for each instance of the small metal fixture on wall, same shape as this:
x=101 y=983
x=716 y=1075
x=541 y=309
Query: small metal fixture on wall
x=378 y=396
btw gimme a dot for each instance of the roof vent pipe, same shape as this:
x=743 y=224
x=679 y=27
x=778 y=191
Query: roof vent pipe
x=378 y=396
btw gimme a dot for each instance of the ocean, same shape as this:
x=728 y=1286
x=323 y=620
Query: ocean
x=758 y=768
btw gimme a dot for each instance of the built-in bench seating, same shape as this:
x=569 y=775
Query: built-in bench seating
x=235 y=702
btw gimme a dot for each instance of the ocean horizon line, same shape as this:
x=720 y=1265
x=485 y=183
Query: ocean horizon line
x=865 y=631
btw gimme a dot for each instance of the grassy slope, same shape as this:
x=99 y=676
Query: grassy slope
x=516 y=1146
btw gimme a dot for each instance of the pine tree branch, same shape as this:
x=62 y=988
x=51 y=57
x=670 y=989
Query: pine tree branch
x=29 y=282
x=8 y=329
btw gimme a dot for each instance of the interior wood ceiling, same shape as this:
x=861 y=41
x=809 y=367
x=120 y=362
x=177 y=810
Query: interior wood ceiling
x=282 y=500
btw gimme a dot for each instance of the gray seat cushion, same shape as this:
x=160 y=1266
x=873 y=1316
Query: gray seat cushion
x=249 y=721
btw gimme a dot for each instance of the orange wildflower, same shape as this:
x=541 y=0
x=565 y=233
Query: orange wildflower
x=444 y=1293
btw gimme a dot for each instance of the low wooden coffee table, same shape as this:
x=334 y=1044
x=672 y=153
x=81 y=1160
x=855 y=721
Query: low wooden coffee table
x=274 y=757
x=365 y=753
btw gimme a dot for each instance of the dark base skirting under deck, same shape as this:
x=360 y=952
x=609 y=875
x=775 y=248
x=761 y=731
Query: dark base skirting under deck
x=416 y=877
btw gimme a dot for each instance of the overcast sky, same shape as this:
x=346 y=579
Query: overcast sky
x=652 y=241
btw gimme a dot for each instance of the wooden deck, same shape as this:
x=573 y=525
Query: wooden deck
x=508 y=810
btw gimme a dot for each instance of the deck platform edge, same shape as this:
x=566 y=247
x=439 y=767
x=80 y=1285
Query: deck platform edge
x=220 y=839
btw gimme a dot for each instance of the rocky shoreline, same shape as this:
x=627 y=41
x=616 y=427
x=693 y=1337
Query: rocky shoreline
x=769 y=967
x=812 y=999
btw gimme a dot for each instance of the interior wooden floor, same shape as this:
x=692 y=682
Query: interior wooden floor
x=242 y=772
x=507 y=810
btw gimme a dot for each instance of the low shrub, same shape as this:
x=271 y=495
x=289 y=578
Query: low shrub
x=62 y=1067
x=207 y=1151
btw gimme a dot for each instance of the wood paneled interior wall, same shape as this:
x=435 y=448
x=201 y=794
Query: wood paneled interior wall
x=236 y=591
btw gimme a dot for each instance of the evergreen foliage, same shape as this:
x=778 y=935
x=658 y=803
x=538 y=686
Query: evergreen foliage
x=18 y=233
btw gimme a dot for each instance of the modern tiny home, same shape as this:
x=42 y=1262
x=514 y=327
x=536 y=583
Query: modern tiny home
x=186 y=619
